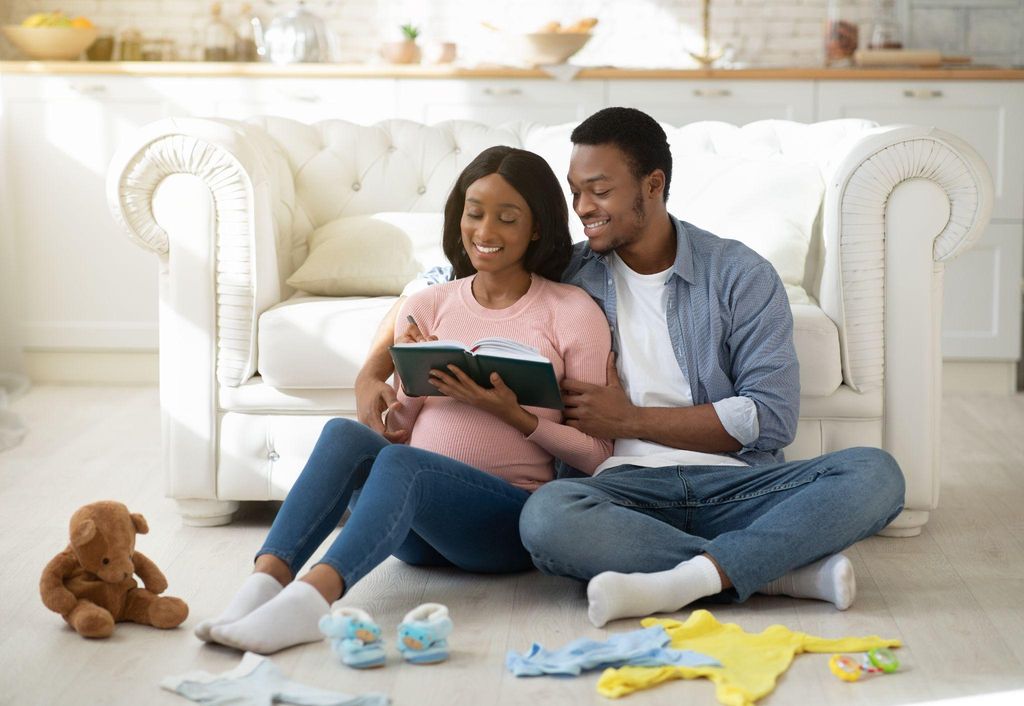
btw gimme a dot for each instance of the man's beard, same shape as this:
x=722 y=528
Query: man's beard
x=639 y=220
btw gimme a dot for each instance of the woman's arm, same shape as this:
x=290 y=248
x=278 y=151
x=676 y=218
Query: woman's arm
x=585 y=342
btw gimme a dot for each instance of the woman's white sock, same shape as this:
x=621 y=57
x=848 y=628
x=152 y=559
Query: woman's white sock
x=830 y=579
x=290 y=618
x=256 y=590
x=613 y=595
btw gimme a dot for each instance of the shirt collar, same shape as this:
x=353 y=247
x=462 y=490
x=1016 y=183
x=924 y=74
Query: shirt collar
x=683 y=264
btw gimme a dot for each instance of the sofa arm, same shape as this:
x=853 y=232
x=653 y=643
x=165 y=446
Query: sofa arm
x=245 y=250
x=901 y=202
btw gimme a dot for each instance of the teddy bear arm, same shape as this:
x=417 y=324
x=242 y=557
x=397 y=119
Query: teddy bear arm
x=54 y=593
x=153 y=579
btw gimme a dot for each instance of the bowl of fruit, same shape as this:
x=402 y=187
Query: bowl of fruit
x=554 y=43
x=51 y=36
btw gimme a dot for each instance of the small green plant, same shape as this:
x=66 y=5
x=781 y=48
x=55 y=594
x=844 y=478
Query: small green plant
x=410 y=31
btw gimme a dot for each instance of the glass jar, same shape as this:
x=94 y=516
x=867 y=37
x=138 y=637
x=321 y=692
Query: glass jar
x=245 y=35
x=219 y=44
x=885 y=31
x=130 y=48
x=841 y=32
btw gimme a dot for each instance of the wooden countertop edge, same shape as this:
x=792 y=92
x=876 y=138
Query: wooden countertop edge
x=202 y=69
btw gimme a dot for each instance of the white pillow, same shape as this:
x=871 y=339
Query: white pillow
x=769 y=205
x=375 y=255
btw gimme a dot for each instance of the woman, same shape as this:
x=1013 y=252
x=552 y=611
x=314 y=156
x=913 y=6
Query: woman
x=453 y=495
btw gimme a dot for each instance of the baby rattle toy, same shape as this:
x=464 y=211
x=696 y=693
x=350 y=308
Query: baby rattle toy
x=879 y=660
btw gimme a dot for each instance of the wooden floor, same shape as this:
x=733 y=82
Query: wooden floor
x=954 y=595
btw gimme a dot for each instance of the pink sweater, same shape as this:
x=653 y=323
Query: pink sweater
x=560 y=320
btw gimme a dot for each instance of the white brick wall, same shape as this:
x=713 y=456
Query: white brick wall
x=631 y=33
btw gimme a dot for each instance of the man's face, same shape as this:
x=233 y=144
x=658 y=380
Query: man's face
x=606 y=196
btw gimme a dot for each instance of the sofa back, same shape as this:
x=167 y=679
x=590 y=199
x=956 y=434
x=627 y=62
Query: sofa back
x=762 y=183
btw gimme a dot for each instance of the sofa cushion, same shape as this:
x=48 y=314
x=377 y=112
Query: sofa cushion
x=816 y=339
x=318 y=342
x=370 y=255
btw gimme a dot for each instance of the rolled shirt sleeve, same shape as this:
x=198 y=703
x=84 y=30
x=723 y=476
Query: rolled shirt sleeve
x=739 y=417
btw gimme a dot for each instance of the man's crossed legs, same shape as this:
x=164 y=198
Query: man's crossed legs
x=661 y=538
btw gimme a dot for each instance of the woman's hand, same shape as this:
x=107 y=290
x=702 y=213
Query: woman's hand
x=499 y=400
x=414 y=335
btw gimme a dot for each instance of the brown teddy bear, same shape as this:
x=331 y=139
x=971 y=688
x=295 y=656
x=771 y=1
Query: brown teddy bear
x=90 y=583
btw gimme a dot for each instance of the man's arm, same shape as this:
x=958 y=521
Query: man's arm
x=373 y=393
x=606 y=412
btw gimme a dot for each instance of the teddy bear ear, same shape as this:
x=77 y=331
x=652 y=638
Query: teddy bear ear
x=83 y=532
x=140 y=523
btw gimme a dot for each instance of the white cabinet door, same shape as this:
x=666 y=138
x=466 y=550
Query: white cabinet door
x=989 y=115
x=363 y=101
x=737 y=102
x=85 y=284
x=982 y=313
x=981 y=300
x=497 y=101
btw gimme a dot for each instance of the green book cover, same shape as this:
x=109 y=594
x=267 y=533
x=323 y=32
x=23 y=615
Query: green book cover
x=530 y=375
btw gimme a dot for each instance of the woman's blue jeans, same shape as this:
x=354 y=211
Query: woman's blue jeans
x=758 y=523
x=422 y=507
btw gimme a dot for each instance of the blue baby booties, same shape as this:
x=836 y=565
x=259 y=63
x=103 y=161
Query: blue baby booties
x=422 y=635
x=355 y=637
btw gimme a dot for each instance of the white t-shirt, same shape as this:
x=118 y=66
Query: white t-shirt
x=648 y=368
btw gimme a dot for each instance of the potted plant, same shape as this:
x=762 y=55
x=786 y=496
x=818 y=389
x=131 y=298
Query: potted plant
x=404 y=51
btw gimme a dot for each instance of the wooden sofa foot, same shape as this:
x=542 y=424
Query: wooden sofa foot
x=206 y=513
x=908 y=524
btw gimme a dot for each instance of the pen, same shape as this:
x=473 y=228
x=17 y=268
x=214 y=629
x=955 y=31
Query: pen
x=412 y=321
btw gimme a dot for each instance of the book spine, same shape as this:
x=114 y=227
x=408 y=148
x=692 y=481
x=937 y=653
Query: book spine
x=474 y=370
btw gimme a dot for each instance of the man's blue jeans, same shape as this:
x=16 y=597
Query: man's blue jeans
x=426 y=509
x=758 y=523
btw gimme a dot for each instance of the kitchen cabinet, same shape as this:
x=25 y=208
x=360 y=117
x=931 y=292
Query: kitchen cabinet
x=737 y=102
x=364 y=101
x=982 y=311
x=496 y=101
x=59 y=135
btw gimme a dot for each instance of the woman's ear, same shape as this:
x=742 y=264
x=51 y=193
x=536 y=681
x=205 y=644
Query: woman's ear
x=535 y=236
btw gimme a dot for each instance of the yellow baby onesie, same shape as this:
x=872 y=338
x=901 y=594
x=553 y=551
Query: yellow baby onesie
x=750 y=662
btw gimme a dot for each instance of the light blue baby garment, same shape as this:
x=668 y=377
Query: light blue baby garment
x=257 y=681
x=638 y=648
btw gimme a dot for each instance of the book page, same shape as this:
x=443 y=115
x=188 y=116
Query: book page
x=507 y=348
x=434 y=345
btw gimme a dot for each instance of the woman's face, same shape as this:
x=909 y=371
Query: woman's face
x=497 y=225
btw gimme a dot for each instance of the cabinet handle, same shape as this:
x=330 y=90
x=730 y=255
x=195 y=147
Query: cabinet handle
x=922 y=93
x=90 y=89
x=304 y=97
x=712 y=92
x=503 y=91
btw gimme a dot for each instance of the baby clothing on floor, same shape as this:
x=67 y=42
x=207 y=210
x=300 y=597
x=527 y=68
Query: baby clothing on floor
x=257 y=681
x=646 y=647
x=750 y=662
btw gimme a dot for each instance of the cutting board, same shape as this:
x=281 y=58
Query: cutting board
x=905 y=57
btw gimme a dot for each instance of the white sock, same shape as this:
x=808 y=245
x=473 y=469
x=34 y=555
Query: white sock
x=289 y=618
x=613 y=595
x=256 y=590
x=830 y=579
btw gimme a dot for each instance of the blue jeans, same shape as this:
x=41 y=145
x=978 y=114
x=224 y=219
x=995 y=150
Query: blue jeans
x=426 y=509
x=758 y=523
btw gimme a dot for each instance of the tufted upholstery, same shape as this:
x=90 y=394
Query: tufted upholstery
x=229 y=207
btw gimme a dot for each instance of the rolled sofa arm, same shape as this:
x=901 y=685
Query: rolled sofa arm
x=253 y=196
x=901 y=202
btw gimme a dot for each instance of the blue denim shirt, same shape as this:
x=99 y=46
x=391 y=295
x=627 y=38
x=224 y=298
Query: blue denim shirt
x=730 y=325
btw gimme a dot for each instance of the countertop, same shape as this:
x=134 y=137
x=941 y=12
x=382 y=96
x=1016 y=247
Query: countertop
x=261 y=70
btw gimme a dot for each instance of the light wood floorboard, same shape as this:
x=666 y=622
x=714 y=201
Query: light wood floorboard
x=953 y=595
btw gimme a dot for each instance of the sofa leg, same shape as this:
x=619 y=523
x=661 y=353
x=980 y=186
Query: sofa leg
x=206 y=513
x=908 y=524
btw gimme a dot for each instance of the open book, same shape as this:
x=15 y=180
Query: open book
x=530 y=375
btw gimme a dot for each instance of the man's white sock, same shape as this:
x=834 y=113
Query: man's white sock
x=290 y=618
x=613 y=595
x=256 y=590
x=830 y=579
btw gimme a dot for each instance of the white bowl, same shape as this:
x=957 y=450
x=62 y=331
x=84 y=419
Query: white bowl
x=539 y=48
x=51 y=43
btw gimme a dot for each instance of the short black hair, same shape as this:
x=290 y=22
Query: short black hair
x=532 y=177
x=633 y=131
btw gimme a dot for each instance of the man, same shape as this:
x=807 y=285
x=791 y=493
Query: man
x=702 y=397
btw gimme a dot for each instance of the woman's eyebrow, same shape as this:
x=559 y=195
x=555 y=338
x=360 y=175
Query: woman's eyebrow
x=478 y=202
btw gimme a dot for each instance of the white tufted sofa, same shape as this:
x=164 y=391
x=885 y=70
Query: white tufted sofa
x=251 y=370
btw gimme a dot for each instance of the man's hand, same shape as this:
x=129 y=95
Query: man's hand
x=499 y=400
x=373 y=397
x=603 y=411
